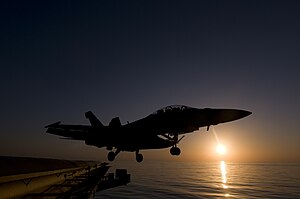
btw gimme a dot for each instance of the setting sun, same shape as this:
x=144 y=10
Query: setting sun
x=221 y=149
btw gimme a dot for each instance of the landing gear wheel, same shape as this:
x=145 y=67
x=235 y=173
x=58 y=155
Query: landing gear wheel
x=111 y=156
x=175 y=151
x=178 y=151
x=139 y=157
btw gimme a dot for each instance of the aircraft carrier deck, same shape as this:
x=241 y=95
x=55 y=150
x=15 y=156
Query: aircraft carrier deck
x=26 y=178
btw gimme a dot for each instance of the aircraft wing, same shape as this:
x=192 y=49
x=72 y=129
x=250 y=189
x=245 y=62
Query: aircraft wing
x=72 y=132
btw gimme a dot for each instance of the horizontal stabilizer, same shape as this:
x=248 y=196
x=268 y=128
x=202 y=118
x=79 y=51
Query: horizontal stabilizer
x=115 y=122
x=66 y=138
x=93 y=119
x=53 y=125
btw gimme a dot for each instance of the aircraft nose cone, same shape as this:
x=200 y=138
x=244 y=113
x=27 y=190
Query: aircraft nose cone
x=227 y=115
x=238 y=114
x=246 y=113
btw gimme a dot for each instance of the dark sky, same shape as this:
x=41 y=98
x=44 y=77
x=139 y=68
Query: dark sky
x=59 y=59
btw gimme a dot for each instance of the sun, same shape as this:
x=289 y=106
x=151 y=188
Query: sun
x=221 y=149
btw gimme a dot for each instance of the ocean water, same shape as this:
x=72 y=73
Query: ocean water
x=207 y=180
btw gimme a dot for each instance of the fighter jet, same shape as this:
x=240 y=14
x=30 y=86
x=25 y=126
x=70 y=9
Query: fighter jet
x=158 y=130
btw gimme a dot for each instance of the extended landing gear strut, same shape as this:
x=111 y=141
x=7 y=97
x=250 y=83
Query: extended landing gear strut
x=112 y=155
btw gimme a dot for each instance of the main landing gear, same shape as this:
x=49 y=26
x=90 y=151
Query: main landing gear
x=138 y=156
x=112 y=155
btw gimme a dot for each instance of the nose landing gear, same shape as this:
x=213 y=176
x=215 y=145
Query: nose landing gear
x=175 y=151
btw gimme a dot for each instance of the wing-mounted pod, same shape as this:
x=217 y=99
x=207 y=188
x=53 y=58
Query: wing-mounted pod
x=115 y=122
x=93 y=119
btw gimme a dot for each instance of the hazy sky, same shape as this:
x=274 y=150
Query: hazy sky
x=59 y=59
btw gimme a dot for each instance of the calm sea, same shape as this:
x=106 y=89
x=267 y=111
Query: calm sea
x=206 y=180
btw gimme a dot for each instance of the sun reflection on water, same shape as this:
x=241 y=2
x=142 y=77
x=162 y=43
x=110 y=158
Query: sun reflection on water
x=224 y=176
x=223 y=171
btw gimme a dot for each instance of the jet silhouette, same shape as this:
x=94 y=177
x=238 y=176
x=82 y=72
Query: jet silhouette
x=158 y=130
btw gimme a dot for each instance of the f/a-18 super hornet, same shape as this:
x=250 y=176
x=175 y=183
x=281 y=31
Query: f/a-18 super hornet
x=158 y=130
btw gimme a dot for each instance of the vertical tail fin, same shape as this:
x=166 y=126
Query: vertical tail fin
x=93 y=119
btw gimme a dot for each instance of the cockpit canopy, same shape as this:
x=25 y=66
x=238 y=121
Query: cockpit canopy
x=172 y=108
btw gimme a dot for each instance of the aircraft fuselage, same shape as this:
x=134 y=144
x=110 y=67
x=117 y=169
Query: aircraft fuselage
x=156 y=131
